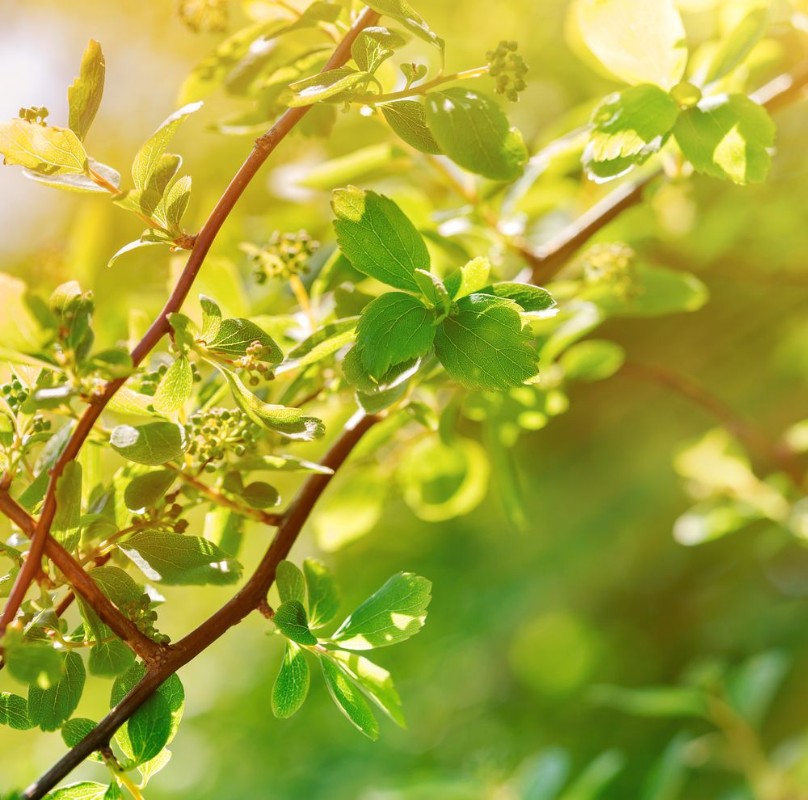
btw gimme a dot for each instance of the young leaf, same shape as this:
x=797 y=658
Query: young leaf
x=483 y=346
x=146 y=240
x=289 y=422
x=292 y=684
x=149 y=155
x=728 y=136
x=290 y=582
x=176 y=386
x=32 y=662
x=14 y=712
x=83 y=790
x=234 y=336
x=403 y=12
x=334 y=85
x=49 y=708
x=79 y=181
x=41 y=148
x=211 y=318
x=67 y=521
x=374 y=46
x=349 y=699
x=395 y=327
x=150 y=729
x=737 y=46
x=152 y=444
x=322 y=591
x=180 y=560
x=526 y=296
x=377 y=238
x=260 y=494
x=407 y=118
x=323 y=343
x=290 y=617
x=175 y=202
x=110 y=658
x=474 y=132
x=470 y=278
x=628 y=128
x=393 y=614
x=637 y=41
x=76 y=729
x=84 y=94
x=375 y=681
x=144 y=491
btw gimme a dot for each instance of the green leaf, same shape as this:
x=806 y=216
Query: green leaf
x=751 y=687
x=83 y=790
x=76 y=729
x=395 y=327
x=728 y=136
x=590 y=784
x=403 y=12
x=152 y=444
x=110 y=658
x=736 y=47
x=391 y=615
x=334 y=85
x=592 y=360
x=146 y=240
x=407 y=118
x=637 y=41
x=292 y=622
x=349 y=699
x=470 y=278
x=176 y=387
x=180 y=560
x=67 y=520
x=149 y=729
x=234 y=336
x=259 y=494
x=290 y=422
x=150 y=154
x=375 y=681
x=84 y=94
x=374 y=46
x=144 y=491
x=483 y=345
x=211 y=318
x=32 y=662
x=323 y=343
x=655 y=701
x=528 y=297
x=377 y=238
x=292 y=684
x=175 y=202
x=79 y=181
x=290 y=582
x=322 y=592
x=472 y=130
x=49 y=708
x=627 y=129
x=41 y=148
x=14 y=712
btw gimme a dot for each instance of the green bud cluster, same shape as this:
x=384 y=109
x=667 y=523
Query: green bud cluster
x=215 y=432
x=508 y=68
x=14 y=393
x=284 y=255
x=37 y=114
x=612 y=265
x=204 y=16
x=254 y=363
x=140 y=612
x=165 y=517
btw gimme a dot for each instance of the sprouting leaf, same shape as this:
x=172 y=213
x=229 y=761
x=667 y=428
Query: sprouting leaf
x=234 y=336
x=175 y=202
x=76 y=729
x=403 y=12
x=67 y=521
x=83 y=790
x=14 y=712
x=483 y=345
x=334 y=85
x=627 y=129
x=292 y=622
x=290 y=582
x=84 y=94
x=734 y=48
x=592 y=360
x=407 y=118
x=637 y=41
x=290 y=422
x=146 y=240
x=49 y=708
x=530 y=298
x=322 y=592
x=176 y=386
x=179 y=559
x=144 y=491
x=393 y=614
x=377 y=238
x=292 y=684
x=470 y=278
x=727 y=136
x=472 y=130
x=150 y=154
x=395 y=327
x=43 y=149
x=349 y=699
x=152 y=444
x=374 y=46
x=375 y=681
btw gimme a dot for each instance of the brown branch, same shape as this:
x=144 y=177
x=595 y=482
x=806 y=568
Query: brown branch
x=248 y=599
x=548 y=260
x=160 y=327
x=148 y=650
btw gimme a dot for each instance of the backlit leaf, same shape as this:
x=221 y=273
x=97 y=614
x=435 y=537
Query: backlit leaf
x=84 y=94
x=349 y=699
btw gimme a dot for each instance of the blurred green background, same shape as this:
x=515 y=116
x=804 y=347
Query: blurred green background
x=522 y=625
